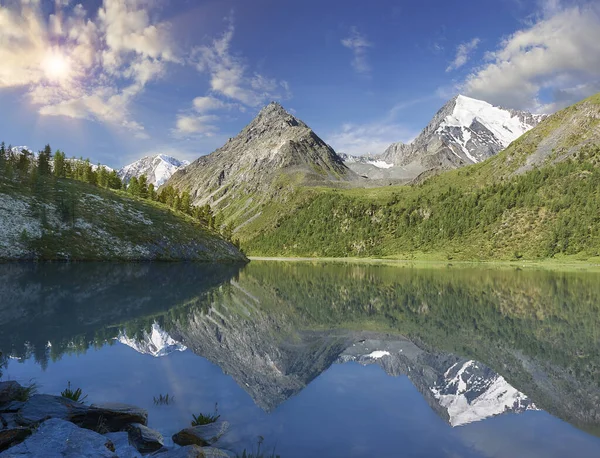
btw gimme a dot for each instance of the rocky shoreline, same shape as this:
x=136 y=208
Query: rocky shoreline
x=35 y=425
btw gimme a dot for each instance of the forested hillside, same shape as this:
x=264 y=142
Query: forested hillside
x=53 y=208
x=539 y=198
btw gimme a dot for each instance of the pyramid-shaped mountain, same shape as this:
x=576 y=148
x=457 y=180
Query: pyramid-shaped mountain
x=274 y=150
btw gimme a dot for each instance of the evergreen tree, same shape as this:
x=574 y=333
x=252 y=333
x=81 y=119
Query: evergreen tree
x=59 y=165
x=24 y=163
x=143 y=187
x=151 y=192
x=103 y=176
x=3 y=157
x=114 y=182
x=133 y=187
x=185 y=204
x=44 y=158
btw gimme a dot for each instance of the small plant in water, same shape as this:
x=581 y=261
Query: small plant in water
x=163 y=400
x=202 y=419
x=73 y=395
x=258 y=454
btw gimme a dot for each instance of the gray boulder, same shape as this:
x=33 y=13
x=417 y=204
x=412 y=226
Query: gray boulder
x=41 y=407
x=144 y=439
x=201 y=435
x=102 y=418
x=56 y=438
x=109 y=417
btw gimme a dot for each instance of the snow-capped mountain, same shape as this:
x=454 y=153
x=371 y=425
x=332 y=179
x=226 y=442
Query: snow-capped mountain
x=463 y=132
x=461 y=391
x=472 y=392
x=157 y=342
x=158 y=169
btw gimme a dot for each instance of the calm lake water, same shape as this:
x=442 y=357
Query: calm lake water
x=323 y=360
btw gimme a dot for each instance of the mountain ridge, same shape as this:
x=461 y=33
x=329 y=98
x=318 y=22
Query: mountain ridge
x=462 y=132
x=157 y=169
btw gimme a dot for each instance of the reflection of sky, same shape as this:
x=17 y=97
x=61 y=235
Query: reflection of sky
x=348 y=411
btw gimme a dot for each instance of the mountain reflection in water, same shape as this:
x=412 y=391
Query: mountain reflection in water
x=474 y=343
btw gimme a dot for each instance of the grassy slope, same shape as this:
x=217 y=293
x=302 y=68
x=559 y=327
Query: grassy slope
x=492 y=210
x=103 y=225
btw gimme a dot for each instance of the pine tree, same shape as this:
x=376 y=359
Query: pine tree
x=59 y=165
x=44 y=158
x=143 y=187
x=185 y=204
x=133 y=187
x=3 y=157
x=24 y=163
x=151 y=192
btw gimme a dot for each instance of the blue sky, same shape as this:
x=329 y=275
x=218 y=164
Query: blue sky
x=115 y=80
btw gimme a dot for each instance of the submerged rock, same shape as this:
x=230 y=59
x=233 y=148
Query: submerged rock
x=212 y=452
x=60 y=438
x=190 y=451
x=111 y=417
x=123 y=447
x=201 y=435
x=144 y=439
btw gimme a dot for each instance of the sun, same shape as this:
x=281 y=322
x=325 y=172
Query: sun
x=56 y=66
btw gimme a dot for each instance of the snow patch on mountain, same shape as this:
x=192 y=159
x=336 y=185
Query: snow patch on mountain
x=505 y=125
x=158 y=169
x=469 y=395
x=156 y=343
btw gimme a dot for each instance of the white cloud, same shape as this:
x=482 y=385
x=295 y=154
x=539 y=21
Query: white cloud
x=187 y=125
x=101 y=64
x=463 y=53
x=231 y=86
x=557 y=54
x=204 y=104
x=374 y=138
x=228 y=73
x=359 y=45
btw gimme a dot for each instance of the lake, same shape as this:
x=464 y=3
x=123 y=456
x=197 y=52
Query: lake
x=318 y=359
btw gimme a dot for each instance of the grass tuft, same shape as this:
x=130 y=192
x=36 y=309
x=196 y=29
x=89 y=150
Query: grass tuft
x=202 y=419
x=73 y=395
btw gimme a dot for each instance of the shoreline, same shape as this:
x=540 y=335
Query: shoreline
x=547 y=264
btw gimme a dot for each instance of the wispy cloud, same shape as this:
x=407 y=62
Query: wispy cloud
x=102 y=62
x=463 y=53
x=359 y=46
x=557 y=53
x=232 y=85
x=229 y=76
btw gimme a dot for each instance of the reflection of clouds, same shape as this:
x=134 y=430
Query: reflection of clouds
x=534 y=434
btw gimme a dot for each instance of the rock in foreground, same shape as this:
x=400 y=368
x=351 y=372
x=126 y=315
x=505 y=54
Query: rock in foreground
x=203 y=435
x=60 y=438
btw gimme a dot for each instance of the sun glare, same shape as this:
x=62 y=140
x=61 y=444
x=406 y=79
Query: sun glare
x=56 y=66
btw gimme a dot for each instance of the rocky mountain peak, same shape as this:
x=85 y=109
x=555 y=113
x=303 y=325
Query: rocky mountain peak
x=464 y=131
x=273 y=143
x=273 y=119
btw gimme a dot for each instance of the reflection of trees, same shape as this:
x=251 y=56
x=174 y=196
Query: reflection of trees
x=79 y=305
